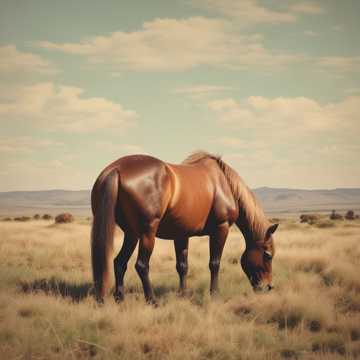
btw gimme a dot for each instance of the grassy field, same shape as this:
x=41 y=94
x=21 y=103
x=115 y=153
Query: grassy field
x=47 y=312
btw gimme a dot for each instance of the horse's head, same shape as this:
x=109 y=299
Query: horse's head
x=256 y=261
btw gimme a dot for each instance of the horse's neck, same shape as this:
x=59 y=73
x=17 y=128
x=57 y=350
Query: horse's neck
x=252 y=223
x=245 y=228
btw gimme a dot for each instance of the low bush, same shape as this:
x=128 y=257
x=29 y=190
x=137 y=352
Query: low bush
x=64 y=218
x=309 y=218
x=335 y=216
x=22 y=218
x=350 y=215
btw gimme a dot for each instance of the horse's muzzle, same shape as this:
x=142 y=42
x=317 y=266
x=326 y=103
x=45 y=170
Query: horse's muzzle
x=263 y=289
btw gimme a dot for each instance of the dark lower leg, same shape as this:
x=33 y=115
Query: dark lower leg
x=146 y=246
x=181 y=250
x=217 y=242
x=120 y=265
x=142 y=269
x=214 y=266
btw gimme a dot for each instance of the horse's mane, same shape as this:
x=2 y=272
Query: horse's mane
x=249 y=207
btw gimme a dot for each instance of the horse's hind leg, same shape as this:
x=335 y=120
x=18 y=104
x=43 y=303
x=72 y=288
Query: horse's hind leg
x=146 y=246
x=217 y=242
x=181 y=250
x=120 y=264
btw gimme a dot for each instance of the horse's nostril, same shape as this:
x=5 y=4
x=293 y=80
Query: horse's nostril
x=269 y=287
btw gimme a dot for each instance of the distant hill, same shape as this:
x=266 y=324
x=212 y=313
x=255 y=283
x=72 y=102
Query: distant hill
x=50 y=201
x=274 y=200
x=297 y=200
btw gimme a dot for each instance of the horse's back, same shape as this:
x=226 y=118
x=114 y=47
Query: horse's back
x=191 y=209
x=193 y=188
x=184 y=199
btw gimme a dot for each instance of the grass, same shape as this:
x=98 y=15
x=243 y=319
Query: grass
x=47 y=311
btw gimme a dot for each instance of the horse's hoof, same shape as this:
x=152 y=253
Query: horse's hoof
x=100 y=301
x=214 y=294
x=185 y=293
x=119 y=297
x=153 y=303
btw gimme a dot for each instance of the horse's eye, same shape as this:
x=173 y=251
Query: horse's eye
x=267 y=255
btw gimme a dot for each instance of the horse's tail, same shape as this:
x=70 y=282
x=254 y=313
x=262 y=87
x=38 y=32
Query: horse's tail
x=102 y=233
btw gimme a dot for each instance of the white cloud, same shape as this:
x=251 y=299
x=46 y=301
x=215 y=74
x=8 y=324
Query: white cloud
x=63 y=108
x=296 y=142
x=13 y=61
x=25 y=144
x=119 y=149
x=353 y=90
x=164 y=45
x=342 y=63
x=288 y=117
x=174 y=45
x=310 y=169
x=338 y=28
x=307 y=8
x=250 y=12
x=310 y=33
x=54 y=174
x=233 y=143
x=200 y=89
x=223 y=104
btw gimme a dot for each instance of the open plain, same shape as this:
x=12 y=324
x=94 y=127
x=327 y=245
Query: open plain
x=47 y=311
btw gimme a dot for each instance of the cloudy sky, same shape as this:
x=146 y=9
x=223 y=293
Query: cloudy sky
x=273 y=86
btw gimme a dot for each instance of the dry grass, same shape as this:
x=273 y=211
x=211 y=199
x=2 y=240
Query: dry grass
x=47 y=312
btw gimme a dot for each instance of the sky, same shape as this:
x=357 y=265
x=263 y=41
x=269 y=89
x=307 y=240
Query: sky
x=272 y=86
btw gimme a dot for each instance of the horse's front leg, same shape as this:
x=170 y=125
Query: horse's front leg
x=181 y=250
x=216 y=242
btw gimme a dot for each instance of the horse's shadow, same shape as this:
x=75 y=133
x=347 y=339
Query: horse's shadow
x=78 y=292
x=57 y=287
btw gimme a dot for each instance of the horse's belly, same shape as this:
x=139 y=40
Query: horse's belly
x=172 y=227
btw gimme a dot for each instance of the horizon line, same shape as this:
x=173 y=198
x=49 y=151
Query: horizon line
x=255 y=188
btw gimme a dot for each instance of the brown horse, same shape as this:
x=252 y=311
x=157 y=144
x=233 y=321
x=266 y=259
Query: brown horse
x=149 y=198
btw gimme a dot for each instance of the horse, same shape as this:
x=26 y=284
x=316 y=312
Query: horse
x=149 y=198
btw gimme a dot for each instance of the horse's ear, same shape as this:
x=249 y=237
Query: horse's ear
x=271 y=230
